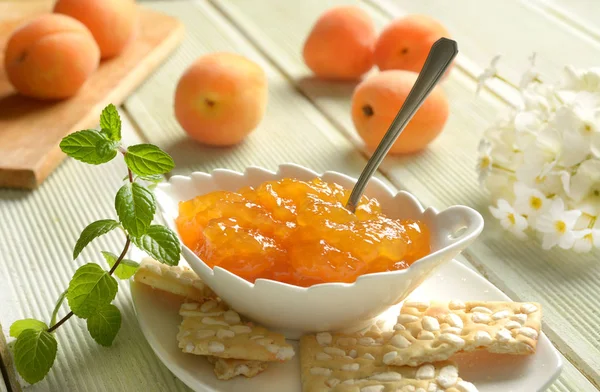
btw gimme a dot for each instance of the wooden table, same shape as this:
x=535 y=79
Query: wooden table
x=308 y=123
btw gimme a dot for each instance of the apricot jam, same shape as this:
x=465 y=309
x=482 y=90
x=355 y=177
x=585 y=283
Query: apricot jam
x=298 y=232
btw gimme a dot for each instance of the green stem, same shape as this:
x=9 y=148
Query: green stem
x=61 y=298
x=496 y=166
x=54 y=326
x=121 y=256
x=592 y=222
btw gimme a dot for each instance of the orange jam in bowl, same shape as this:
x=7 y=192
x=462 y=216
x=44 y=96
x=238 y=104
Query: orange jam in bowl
x=298 y=232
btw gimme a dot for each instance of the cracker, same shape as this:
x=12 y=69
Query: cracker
x=434 y=331
x=178 y=280
x=212 y=328
x=332 y=363
x=227 y=368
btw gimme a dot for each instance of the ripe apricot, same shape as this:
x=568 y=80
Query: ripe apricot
x=376 y=102
x=113 y=23
x=405 y=43
x=50 y=57
x=221 y=98
x=340 y=44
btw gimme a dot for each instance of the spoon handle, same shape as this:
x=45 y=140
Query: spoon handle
x=439 y=59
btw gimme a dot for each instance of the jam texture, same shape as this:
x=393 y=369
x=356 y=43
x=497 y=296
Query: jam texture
x=298 y=232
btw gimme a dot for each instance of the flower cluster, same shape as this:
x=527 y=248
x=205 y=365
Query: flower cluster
x=541 y=163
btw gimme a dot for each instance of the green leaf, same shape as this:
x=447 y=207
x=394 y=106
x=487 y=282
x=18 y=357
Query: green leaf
x=110 y=122
x=152 y=178
x=21 y=325
x=160 y=243
x=104 y=325
x=135 y=206
x=89 y=146
x=35 y=352
x=147 y=160
x=91 y=289
x=93 y=230
x=126 y=268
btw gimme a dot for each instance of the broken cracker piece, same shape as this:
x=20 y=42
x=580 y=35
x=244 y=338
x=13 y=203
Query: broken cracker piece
x=212 y=328
x=228 y=368
x=340 y=368
x=176 y=280
x=434 y=331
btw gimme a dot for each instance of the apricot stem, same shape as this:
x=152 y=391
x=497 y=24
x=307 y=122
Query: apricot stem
x=368 y=110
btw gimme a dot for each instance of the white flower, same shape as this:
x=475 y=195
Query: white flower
x=542 y=98
x=585 y=186
x=531 y=75
x=586 y=106
x=557 y=225
x=500 y=185
x=595 y=145
x=541 y=160
x=576 y=136
x=586 y=80
x=529 y=201
x=527 y=124
x=484 y=163
x=510 y=219
x=586 y=239
x=537 y=168
x=487 y=73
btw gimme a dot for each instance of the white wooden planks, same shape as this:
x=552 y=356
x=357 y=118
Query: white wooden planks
x=442 y=176
x=581 y=14
x=513 y=29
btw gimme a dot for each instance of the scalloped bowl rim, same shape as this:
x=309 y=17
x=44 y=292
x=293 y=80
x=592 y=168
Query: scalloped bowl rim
x=261 y=282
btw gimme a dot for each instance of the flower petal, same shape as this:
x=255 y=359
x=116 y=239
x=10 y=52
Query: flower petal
x=566 y=240
x=570 y=218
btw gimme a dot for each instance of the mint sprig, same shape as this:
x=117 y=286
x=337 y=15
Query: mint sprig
x=89 y=146
x=105 y=324
x=21 y=325
x=126 y=268
x=92 y=231
x=148 y=160
x=35 y=351
x=92 y=288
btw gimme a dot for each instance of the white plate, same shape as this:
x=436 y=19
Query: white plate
x=158 y=317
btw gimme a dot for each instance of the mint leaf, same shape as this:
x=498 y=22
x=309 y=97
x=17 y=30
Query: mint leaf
x=35 y=352
x=90 y=289
x=147 y=160
x=93 y=230
x=135 y=206
x=21 y=325
x=152 y=178
x=110 y=122
x=88 y=146
x=160 y=243
x=126 y=268
x=104 y=325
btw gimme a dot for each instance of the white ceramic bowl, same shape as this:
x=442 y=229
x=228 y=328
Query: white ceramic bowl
x=294 y=310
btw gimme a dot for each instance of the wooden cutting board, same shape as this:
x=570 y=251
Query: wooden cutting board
x=31 y=130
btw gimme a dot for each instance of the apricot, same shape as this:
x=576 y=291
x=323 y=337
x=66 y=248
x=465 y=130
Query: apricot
x=405 y=43
x=221 y=98
x=113 y=23
x=340 y=44
x=376 y=102
x=50 y=57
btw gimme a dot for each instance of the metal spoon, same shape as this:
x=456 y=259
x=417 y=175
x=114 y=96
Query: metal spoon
x=439 y=59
